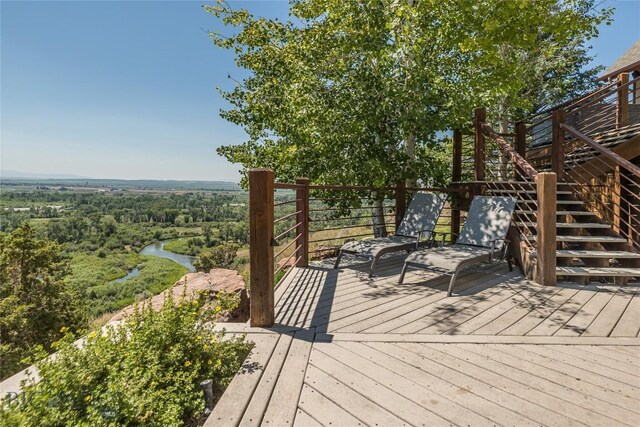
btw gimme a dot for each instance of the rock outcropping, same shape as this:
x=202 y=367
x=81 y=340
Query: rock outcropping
x=216 y=280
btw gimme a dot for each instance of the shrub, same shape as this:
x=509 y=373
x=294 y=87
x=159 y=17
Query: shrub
x=145 y=372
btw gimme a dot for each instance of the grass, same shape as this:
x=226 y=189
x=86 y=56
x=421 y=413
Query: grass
x=185 y=246
x=156 y=275
x=93 y=276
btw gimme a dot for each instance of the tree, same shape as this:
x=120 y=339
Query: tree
x=220 y=256
x=35 y=302
x=356 y=92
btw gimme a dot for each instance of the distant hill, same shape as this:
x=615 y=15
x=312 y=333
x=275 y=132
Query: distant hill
x=30 y=175
x=121 y=184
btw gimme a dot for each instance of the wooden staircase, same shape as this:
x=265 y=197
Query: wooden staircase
x=588 y=249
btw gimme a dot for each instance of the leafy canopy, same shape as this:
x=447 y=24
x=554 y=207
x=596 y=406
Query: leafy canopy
x=35 y=301
x=356 y=92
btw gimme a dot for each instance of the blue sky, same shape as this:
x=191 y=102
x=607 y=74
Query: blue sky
x=127 y=89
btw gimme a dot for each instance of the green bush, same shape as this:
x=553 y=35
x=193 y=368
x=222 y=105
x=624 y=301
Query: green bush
x=145 y=372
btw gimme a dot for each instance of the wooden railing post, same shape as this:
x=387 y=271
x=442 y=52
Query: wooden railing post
x=557 y=142
x=302 y=221
x=622 y=118
x=261 y=281
x=401 y=202
x=480 y=117
x=546 y=185
x=456 y=177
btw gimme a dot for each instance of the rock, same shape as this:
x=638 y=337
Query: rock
x=286 y=263
x=216 y=280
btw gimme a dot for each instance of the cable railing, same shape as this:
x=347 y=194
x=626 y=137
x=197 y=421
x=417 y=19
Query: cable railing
x=500 y=168
x=507 y=173
x=608 y=183
x=292 y=224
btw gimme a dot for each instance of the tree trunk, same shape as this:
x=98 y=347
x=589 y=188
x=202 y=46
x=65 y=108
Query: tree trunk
x=377 y=217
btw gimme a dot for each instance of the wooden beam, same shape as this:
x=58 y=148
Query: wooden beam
x=546 y=186
x=623 y=101
x=401 y=202
x=302 y=219
x=557 y=142
x=261 y=282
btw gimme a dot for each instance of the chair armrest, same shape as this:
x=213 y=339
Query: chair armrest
x=444 y=234
x=423 y=232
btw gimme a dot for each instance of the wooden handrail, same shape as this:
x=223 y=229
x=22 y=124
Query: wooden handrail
x=621 y=161
x=617 y=86
x=570 y=103
x=520 y=161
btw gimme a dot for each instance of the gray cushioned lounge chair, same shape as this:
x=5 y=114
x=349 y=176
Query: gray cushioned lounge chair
x=415 y=231
x=482 y=235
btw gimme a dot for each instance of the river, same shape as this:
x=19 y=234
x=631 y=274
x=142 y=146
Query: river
x=157 y=249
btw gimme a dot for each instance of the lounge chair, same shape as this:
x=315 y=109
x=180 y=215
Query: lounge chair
x=415 y=231
x=482 y=235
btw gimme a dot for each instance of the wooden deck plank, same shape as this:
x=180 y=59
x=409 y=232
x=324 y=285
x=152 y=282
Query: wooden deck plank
x=231 y=407
x=352 y=350
x=510 y=287
x=262 y=395
x=614 y=354
x=512 y=367
x=515 y=397
x=322 y=410
x=351 y=401
x=587 y=357
x=582 y=319
x=574 y=378
x=468 y=283
x=305 y=420
x=517 y=312
x=417 y=393
x=526 y=296
x=540 y=313
x=377 y=390
x=564 y=313
x=446 y=308
x=484 y=286
x=609 y=316
x=435 y=290
x=516 y=381
x=376 y=307
x=466 y=396
x=284 y=400
x=629 y=323
x=623 y=382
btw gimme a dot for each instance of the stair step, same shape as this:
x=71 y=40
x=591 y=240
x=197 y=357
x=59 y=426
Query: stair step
x=569 y=202
x=581 y=213
x=588 y=239
x=571 y=225
x=496 y=190
x=598 y=271
x=596 y=254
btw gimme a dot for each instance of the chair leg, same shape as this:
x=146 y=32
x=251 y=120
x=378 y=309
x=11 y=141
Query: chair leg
x=402 y=273
x=338 y=259
x=454 y=276
x=373 y=265
x=509 y=263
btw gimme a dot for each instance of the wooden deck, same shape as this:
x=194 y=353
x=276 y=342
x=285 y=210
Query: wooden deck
x=349 y=350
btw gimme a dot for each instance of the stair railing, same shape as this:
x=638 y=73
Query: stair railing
x=502 y=169
x=605 y=109
x=607 y=182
